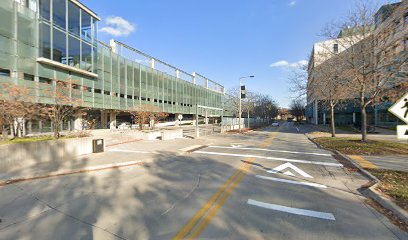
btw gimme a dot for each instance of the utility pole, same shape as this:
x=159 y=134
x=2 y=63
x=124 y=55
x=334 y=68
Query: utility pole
x=240 y=99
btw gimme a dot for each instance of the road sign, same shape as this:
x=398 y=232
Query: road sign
x=400 y=108
x=402 y=132
x=280 y=168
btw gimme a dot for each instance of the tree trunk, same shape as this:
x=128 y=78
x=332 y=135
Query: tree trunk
x=363 y=123
x=248 y=119
x=5 y=133
x=56 y=130
x=333 y=127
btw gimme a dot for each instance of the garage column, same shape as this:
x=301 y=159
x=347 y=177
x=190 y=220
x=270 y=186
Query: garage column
x=78 y=122
x=104 y=119
x=112 y=116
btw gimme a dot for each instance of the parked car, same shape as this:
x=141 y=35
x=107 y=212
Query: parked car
x=275 y=124
x=124 y=125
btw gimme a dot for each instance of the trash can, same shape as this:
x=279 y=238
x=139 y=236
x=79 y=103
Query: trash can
x=97 y=145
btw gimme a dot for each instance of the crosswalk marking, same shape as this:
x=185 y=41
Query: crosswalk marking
x=271 y=158
x=292 y=182
x=271 y=150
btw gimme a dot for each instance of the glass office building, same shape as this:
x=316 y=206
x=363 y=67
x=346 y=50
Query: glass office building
x=45 y=41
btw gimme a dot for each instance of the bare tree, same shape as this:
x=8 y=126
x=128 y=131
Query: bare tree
x=297 y=109
x=298 y=81
x=66 y=102
x=146 y=114
x=371 y=65
x=16 y=106
x=328 y=85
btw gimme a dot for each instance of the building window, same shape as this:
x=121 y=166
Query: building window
x=86 y=61
x=45 y=42
x=45 y=80
x=59 y=13
x=336 y=48
x=74 y=50
x=4 y=72
x=28 y=77
x=45 y=10
x=73 y=18
x=86 y=28
x=59 y=49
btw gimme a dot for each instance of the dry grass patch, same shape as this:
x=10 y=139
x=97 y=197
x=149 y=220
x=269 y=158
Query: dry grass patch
x=353 y=146
x=394 y=184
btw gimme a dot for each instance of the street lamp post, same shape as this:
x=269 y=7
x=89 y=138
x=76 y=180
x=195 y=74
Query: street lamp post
x=240 y=105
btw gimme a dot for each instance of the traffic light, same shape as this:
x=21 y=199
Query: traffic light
x=243 y=92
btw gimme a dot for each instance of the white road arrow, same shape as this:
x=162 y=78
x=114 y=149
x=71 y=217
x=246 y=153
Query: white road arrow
x=235 y=145
x=291 y=166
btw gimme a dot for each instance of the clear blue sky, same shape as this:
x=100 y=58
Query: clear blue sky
x=223 y=40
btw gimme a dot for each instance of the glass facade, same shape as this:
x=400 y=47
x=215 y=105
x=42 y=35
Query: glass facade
x=121 y=83
x=74 y=16
x=71 y=43
x=45 y=10
x=59 y=15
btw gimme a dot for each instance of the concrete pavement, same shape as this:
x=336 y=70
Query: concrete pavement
x=236 y=188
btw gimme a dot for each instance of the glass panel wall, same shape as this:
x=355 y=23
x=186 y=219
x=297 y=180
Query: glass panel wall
x=45 y=6
x=74 y=52
x=45 y=41
x=59 y=50
x=86 y=63
x=59 y=13
x=86 y=28
x=77 y=35
x=73 y=18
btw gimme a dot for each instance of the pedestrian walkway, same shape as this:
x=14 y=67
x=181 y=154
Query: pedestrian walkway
x=391 y=162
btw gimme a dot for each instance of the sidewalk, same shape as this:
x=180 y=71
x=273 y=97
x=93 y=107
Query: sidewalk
x=115 y=156
x=381 y=135
x=392 y=162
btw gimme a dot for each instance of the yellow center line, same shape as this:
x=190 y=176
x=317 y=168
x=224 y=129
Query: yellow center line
x=202 y=226
x=213 y=205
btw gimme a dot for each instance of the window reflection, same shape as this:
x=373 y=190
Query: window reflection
x=86 y=29
x=59 y=50
x=73 y=18
x=45 y=9
x=86 y=63
x=73 y=32
x=73 y=52
x=59 y=13
x=45 y=42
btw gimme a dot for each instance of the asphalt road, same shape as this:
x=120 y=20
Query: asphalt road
x=268 y=184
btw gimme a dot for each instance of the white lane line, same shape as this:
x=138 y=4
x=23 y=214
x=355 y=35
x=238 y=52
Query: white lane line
x=127 y=151
x=292 y=182
x=297 y=211
x=271 y=150
x=271 y=158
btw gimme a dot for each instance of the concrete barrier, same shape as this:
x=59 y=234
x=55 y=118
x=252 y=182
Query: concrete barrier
x=23 y=155
x=171 y=134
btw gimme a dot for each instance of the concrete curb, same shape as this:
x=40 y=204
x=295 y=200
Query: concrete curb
x=370 y=190
x=71 y=171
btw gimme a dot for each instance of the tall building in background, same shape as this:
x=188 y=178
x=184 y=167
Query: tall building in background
x=390 y=19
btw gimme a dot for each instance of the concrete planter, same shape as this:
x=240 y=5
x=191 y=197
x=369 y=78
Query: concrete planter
x=23 y=155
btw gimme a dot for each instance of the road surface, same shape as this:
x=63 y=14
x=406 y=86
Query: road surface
x=269 y=184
